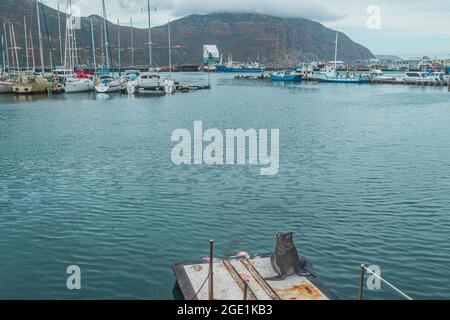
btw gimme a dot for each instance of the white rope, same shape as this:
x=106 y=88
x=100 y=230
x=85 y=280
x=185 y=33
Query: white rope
x=386 y=282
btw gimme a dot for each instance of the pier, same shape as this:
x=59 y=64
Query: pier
x=243 y=278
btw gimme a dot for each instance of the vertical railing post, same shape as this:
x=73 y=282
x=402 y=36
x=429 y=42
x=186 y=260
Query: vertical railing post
x=211 y=271
x=245 y=290
x=361 y=283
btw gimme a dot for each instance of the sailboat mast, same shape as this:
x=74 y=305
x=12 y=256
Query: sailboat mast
x=336 y=51
x=26 y=41
x=6 y=46
x=118 y=45
x=105 y=26
x=93 y=46
x=170 y=50
x=132 y=43
x=3 y=57
x=41 y=45
x=149 y=35
x=101 y=44
x=32 y=51
x=60 y=36
x=15 y=48
x=33 y=58
x=12 y=51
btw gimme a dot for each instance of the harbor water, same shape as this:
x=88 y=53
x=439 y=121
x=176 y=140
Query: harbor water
x=88 y=180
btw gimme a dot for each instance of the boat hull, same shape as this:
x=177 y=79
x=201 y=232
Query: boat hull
x=288 y=78
x=79 y=86
x=237 y=70
x=107 y=88
x=344 y=80
x=6 y=87
x=35 y=88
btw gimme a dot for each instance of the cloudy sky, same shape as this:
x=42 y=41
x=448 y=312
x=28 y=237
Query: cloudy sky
x=408 y=28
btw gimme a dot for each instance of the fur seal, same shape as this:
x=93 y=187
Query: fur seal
x=286 y=260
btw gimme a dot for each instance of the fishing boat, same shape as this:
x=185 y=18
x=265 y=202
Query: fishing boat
x=286 y=75
x=234 y=67
x=339 y=79
x=107 y=84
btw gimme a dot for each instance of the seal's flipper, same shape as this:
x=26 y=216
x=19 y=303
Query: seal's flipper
x=305 y=272
x=276 y=278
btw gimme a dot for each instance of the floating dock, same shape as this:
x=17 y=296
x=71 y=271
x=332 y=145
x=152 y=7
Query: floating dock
x=243 y=278
x=417 y=83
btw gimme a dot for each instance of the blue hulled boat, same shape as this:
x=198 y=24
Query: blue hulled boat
x=286 y=75
x=241 y=69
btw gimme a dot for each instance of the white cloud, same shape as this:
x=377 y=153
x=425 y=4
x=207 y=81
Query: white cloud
x=399 y=19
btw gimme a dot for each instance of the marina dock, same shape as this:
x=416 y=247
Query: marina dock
x=243 y=278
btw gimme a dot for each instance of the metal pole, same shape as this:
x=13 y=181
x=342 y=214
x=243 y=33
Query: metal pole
x=361 y=283
x=211 y=271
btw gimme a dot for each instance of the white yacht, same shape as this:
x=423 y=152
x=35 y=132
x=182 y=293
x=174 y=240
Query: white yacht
x=439 y=76
x=75 y=85
x=416 y=76
x=377 y=74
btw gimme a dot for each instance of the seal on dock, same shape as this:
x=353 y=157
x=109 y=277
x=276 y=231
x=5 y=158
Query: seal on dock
x=286 y=260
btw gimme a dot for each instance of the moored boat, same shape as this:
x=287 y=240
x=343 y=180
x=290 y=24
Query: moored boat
x=107 y=84
x=6 y=86
x=75 y=85
x=242 y=68
x=31 y=84
x=286 y=75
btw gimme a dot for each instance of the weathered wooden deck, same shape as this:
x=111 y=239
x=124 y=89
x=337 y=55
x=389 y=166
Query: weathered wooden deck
x=243 y=279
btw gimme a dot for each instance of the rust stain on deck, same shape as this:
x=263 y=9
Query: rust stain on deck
x=300 y=292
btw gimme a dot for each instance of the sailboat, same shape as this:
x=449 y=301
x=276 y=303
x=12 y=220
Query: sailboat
x=151 y=82
x=5 y=85
x=28 y=82
x=107 y=83
x=330 y=74
x=73 y=83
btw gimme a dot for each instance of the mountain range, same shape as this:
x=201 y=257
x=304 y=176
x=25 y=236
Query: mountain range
x=276 y=41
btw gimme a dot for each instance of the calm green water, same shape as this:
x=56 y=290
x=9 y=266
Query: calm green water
x=364 y=177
